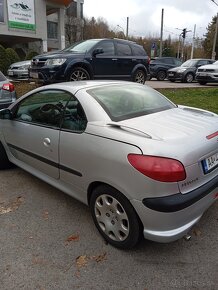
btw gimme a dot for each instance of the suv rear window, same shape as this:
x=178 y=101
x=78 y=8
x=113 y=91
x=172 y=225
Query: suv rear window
x=123 y=102
x=138 y=50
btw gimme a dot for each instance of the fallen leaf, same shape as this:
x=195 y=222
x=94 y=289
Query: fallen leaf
x=197 y=232
x=45 y=215
x=100 y=258
x=81 y=261
x=73 y=238
x=12 y=206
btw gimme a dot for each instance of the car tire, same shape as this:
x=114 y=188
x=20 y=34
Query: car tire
x=140 y=76
x=78 y=74
x=202 y=83
x=189 y=77
x=4 y=161
x=161 y=75
x=115 y=217
x=172 y=81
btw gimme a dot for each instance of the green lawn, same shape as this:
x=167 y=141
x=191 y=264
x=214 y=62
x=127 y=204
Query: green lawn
x=205 y=98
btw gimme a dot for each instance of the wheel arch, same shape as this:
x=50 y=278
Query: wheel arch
x=84 y=65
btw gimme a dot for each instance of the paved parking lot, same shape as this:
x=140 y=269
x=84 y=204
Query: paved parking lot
x=49 y=242
x=171 y=85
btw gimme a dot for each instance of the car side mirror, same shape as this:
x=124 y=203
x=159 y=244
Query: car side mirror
x=5 y=114
x=97 y=51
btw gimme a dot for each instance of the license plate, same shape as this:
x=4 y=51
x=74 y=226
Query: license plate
x=171 y=74
x=34 y=75
x=10 y=73
x=210 y=163
x=202 y=74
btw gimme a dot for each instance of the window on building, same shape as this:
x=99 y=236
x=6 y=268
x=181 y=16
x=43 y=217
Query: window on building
x=52 y=29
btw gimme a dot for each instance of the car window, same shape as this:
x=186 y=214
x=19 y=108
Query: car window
x=177 y=62
x=202 y=62
x=138 y=50
x=123 y=49
x=108 y=47
x=2 y=77
x=44 y=108
x=82 y=46
x=74 y=118
x=128 y=101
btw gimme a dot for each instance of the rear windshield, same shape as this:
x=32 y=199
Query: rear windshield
x=123 y=102
x=2 y=77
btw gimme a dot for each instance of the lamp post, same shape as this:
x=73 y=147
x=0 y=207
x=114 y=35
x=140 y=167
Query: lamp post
x=215 y=36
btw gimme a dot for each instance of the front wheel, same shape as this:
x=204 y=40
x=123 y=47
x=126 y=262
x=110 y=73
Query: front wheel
x=4 y=162
x=114 y=217
x=189 y=78
x=79 y=74
x=161 y=75
x=140 y=76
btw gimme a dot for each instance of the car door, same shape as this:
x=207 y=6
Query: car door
x=105 y=64
x=125 y=60
x=33 y=133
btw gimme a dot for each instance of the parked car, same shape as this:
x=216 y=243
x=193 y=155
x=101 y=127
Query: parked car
x=93 y=59
x=186 y=72
x=143 y=164
x=7 y=92
x=207 y=74
x=19 y=69
x=160 y=65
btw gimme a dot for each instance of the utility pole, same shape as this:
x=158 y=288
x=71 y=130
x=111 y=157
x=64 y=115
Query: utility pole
x=193 y=42
x=161 y=33
x=178 y=52
x=127 y=27
x=215 y=36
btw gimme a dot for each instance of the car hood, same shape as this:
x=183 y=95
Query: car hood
x=59 y=54
x=174 y=124
x=20 y=63
x=209 y=66
x=175 y=69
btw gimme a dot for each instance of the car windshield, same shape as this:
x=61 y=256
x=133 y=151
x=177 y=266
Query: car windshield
x=123 y=102
x=82 y=46
x=189 y=63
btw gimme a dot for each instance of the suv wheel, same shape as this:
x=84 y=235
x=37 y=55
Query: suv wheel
x=79 y=74
x=140 y=76
x=161 y=75
x=189 y=78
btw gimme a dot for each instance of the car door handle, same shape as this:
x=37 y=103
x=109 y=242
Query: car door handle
x=134 y=59
x=114 y=59
x=47 y=142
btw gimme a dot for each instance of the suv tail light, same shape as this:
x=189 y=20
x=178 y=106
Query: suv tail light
x=149 y=60
x=158 y=168
x=8 y=87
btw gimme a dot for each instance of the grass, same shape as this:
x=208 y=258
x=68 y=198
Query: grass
x=205 y=98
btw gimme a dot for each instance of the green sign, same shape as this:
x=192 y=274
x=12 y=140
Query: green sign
x=21 y=14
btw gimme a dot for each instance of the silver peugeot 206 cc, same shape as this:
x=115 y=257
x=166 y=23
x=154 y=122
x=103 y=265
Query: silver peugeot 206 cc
x=144 y=165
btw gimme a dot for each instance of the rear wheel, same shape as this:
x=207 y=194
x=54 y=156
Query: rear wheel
x=161 y=75
x=4 y=162
x=140 y=76
x=189 y=78
x=79 y=74
x=114 y=217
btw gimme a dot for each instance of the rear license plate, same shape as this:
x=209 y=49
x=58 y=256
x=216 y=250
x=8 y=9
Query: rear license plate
x=10 y=73
x=202 y=74
x=171 y=74
x=210 y=163
x=34 y=75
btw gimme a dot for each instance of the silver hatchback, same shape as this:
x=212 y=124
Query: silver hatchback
x=143 y=164
x=7 y=92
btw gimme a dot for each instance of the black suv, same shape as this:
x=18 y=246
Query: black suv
x=93 y=59
x=160 y=65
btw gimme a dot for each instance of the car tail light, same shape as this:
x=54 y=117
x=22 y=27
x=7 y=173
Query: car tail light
x=8 y=87
x=158 y=168
x=149 y=60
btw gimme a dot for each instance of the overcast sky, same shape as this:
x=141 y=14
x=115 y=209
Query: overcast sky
x=145 y=15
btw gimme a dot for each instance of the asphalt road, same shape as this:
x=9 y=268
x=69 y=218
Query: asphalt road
x=49 y=242
x=171 y=85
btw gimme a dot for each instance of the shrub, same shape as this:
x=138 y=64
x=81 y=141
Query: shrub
x=31 y=54
x=4 y=60
x=12 y=55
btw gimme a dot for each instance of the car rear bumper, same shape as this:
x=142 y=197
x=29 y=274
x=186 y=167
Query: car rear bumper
x=5 y=105
x=170 y=218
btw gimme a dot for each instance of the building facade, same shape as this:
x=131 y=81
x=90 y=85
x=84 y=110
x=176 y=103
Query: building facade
x=37 y=25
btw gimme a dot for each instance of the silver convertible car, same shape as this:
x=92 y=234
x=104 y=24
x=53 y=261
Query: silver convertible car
x=144 y=165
